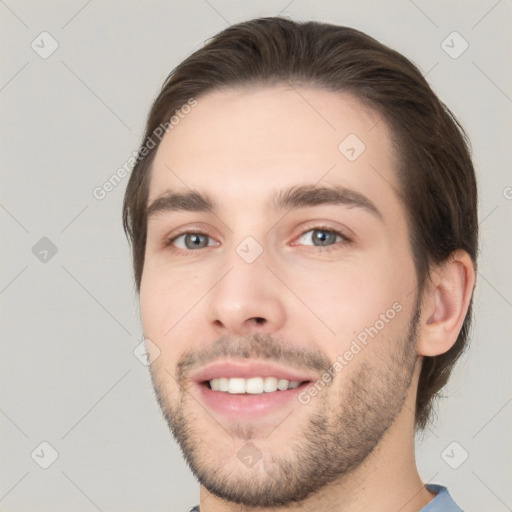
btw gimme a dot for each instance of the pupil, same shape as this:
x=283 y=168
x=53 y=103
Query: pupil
x=193 y=241
x=324 y=237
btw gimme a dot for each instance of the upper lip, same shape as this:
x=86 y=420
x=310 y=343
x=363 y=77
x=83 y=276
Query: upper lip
x=248 y=369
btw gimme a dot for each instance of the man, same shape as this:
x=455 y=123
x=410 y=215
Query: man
x=303 y=222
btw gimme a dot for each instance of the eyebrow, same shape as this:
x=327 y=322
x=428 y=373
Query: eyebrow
x=302 y=196
x=313 y=195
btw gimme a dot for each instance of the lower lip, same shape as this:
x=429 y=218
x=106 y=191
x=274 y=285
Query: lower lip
x=247 y=406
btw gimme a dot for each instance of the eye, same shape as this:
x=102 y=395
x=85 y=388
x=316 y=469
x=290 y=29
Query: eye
x=317 y=237
x=321 y=237
x=191 y=241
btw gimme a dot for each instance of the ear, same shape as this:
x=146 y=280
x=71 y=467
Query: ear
x=446 y=299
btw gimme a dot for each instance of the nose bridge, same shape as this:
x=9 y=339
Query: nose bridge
x=248 y=294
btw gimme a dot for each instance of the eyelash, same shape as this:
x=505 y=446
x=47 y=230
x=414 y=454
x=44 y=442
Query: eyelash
x=326 y=249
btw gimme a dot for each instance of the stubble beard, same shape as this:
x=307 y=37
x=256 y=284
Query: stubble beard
x=342 y=430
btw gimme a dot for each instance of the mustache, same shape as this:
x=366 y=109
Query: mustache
x=260 y=346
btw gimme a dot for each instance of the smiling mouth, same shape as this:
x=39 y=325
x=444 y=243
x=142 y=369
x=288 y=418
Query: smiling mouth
x=252 y=385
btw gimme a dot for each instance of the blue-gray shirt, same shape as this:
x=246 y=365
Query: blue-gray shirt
x=443 y=502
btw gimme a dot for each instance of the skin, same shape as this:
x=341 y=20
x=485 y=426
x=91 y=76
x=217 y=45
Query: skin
x=240 y=146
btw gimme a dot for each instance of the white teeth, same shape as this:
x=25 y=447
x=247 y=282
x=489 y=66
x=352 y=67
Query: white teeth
x=253 y=385
x=282 y=384
x=223 y=384
x=236 y=386
x=270 y=384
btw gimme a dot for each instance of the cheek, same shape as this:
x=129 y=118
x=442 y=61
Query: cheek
x=168 y=297
x=347 y=298
x=156 y=303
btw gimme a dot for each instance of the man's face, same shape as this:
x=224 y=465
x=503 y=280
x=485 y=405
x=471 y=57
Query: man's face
x=275 y=283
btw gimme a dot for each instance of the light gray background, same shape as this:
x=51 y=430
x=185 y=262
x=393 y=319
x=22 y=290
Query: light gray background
x=69 y=325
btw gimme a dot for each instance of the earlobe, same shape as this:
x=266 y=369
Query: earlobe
x=446 y=300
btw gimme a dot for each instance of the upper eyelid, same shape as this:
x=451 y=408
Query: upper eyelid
x=323 y=228
x=337 y=232
x=171 y=239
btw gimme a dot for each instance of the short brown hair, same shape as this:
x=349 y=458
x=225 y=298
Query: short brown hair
x=438 y=184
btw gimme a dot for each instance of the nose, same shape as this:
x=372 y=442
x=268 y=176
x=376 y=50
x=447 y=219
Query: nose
x=247 y=299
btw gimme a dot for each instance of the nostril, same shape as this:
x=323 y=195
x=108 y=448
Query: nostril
x=259 y=320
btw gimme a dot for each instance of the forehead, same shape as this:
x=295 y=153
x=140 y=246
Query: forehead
x=244 y=144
